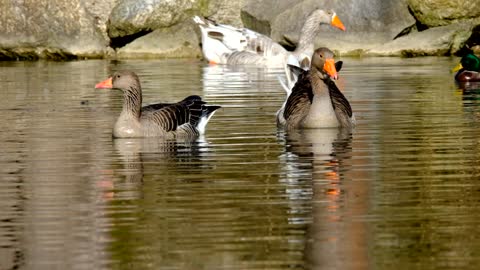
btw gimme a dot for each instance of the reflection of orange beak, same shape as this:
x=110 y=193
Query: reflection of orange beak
x=105 y=84
x=337 y=23
x=329 y=67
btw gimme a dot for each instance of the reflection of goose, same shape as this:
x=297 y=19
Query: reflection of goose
x=187 y=118
x=225 y=44
x=135 y=152
x=319 y=143
x=318 y=161
x=315 y=101
x=315 y=154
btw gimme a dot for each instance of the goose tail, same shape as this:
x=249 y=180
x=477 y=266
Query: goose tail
x=207 y=112
x=200 y=113
x=201 y=22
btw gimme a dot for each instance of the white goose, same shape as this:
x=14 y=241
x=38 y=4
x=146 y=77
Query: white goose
x=225 y=44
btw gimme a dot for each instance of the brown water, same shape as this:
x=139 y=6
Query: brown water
x=402 y=191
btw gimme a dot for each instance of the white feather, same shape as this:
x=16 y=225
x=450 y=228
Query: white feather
x=202 y=124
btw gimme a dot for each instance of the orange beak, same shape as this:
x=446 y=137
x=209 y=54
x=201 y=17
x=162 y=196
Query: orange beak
x=337 y=23
x=329 y=67
x=105 y=84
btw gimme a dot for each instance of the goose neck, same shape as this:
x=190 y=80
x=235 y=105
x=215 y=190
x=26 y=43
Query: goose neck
x=132 y=102
x=307 y=36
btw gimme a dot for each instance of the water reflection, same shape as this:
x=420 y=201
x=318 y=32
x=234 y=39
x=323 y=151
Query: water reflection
x=162 y=155
x=401 y=191
x=320 y=158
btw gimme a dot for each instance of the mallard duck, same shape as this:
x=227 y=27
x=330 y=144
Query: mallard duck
x=315 y=101
x=468 y=70
x=225 y=44
x=187 y=118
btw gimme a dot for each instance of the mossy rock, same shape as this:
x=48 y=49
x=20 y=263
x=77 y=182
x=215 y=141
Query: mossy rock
x=432 y=13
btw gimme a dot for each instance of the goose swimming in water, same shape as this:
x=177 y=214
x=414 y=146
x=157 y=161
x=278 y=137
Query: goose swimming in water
x=316 y=101
x=186 y=119
x=225 y=44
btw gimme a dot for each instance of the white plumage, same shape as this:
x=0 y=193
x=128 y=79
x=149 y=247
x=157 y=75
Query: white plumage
x=225 y=44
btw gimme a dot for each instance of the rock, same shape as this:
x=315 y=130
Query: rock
x=45 y=29
x=473 y=41
x=431 y=13
x=131 y=16
x=131 y=24
x=179 y=41
x=72 y=29
x=226 y=11
x=443 y=40
x=259 y=15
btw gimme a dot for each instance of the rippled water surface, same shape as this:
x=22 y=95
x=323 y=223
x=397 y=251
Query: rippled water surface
x=402 y=191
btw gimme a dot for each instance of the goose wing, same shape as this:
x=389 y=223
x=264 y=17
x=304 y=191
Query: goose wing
x=155 y=107
x=234 y=40
x=171 y=116
x=299 y=102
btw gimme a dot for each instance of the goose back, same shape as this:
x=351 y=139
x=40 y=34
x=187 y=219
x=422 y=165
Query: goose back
x=180 y=119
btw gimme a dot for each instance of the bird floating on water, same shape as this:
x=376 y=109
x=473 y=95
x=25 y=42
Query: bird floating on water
x=468 y=70
x=185 y=119
x=315 y=100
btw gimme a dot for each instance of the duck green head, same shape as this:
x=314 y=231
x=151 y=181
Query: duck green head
x=469 y=62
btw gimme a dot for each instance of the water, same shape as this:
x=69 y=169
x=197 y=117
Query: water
x=401 y=191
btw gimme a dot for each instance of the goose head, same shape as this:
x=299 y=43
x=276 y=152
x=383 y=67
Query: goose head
x=327 y=17
x=122 y=80
x=324 y=63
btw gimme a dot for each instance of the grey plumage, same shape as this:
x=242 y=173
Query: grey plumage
x=315 y=100
x=168 y=120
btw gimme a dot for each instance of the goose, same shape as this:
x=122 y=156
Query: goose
x=225 y=44
x=468 y=70
x=185 y=119
x=316 y=101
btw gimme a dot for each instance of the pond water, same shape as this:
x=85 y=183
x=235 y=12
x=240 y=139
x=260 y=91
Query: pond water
x=402 y=191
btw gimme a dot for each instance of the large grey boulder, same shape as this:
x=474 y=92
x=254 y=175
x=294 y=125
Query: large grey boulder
x=33 y=29
x=260 y=15
x=164 y=28
x=443 y=40
x=178 y=41
x=431 y=13
x=131 y=16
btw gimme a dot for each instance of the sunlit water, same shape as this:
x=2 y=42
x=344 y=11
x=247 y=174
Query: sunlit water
x=402 y=191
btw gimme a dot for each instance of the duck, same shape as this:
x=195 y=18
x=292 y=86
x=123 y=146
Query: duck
x=225 y=44
x=315 y=100
x=185 y=119
x=468 y=70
